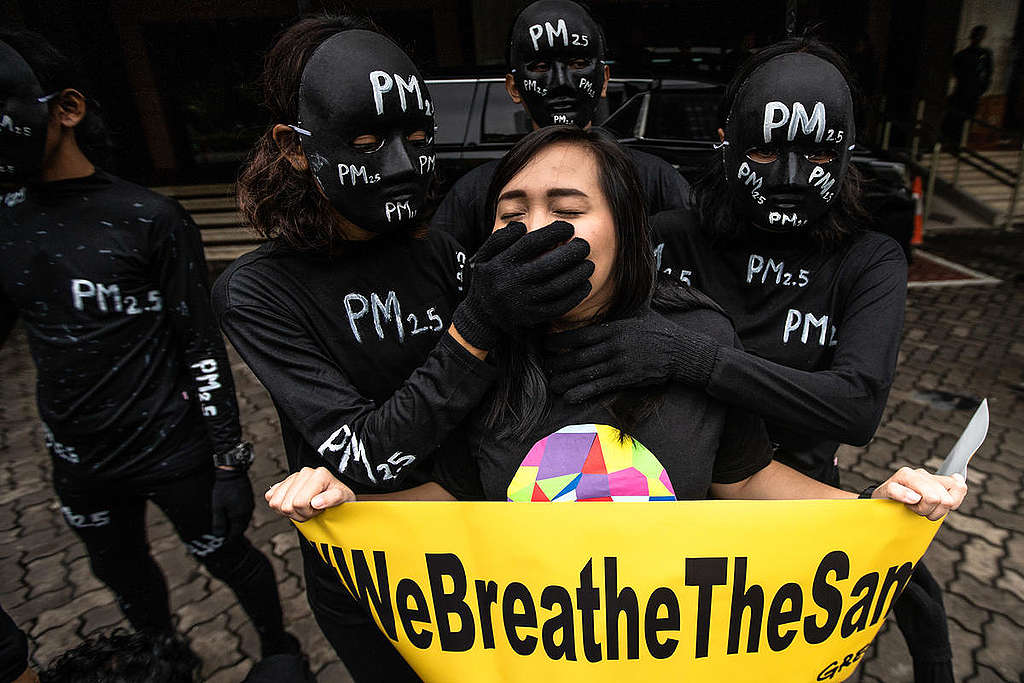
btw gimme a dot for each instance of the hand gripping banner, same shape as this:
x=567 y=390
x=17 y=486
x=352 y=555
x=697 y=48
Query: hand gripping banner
x=653 y=591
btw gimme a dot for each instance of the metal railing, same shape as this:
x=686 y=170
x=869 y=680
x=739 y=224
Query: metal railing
x=919 y=129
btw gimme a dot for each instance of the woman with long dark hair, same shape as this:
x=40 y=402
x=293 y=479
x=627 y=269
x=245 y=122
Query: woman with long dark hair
x=690 y=442
x=357 y=321
x=778 y=239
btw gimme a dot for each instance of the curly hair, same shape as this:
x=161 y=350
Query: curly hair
x=279 y=201
x=126 y=657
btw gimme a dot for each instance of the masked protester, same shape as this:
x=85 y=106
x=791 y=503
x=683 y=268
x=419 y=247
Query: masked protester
x=817 y=300
x=134 y=386
x=370 y=333
x=555 y=58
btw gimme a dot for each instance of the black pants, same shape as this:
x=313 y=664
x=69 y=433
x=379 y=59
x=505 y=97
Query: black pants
x=921 y=617
x=366 y=652
x=111 y=521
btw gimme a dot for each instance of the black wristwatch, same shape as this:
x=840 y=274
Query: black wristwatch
x=868 y=492
x=240 y=456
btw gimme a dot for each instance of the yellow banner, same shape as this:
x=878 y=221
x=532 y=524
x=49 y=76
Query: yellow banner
x=652 y=591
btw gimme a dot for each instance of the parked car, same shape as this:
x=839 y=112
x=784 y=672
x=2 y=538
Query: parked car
x=674 y=119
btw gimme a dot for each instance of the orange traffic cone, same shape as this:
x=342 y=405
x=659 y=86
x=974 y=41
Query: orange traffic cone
x=917 y=239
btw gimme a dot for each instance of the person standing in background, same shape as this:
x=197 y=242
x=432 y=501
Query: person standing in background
x=972 y=68
x=134 y=386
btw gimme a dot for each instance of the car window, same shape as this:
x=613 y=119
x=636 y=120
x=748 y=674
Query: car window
x=504 y=120
x=451 y=108
x=683 y=115
x=623 y=122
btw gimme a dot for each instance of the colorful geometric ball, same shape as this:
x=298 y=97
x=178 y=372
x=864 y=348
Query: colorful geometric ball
x=589 y=463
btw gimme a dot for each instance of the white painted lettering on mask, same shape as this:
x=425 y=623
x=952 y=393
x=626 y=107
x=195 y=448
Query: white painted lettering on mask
x=530 y=85
x=798 y=119
x=750 y=178
x=784 y=219
x=411 y=86
x=382 y=83
x=559 y=29
x=354 y=174
x=427 y=162
x=823 y=180
x=397 y=211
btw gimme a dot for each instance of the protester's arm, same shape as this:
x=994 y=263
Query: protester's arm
x=369 y=443
x=926 y=494
x=844 y=402
x=310 y=491
x=181 y=268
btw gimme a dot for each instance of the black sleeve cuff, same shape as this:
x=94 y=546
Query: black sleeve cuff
x=695 y=358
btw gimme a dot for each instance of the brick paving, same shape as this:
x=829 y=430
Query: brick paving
x=967 y=341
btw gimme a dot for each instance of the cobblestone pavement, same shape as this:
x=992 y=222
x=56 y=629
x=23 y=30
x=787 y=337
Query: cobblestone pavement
x=962 y=340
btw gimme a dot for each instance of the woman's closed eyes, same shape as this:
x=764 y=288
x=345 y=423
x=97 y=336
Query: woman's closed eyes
x=566 y=203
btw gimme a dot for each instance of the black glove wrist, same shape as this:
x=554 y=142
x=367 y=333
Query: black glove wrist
x=868 y=492
x=647 y=349
x=472 y=324
x=693 y=358
x=520 y=280
x=240 y=457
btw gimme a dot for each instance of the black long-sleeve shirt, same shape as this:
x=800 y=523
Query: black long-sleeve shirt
x=110 y=281
x=463 y=214
x=820 y=329
x=355 y=353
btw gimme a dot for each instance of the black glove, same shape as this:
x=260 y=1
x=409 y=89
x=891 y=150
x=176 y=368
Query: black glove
x=647 y=349
x=520 y=280
x=232 y=503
